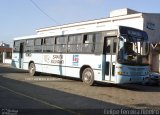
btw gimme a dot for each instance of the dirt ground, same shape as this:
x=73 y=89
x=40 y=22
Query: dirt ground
x=130 y=95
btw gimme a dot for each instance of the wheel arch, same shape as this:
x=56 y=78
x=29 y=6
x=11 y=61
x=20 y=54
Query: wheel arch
x=83 y=68
x=30 y=63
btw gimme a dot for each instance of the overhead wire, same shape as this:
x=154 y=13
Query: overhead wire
x=42 y=11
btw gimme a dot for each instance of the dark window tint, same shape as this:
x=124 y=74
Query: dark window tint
x=30 y=43
x=108 y=46
x=88 y=43
x=16 y=47
x=29 y=46
x=75 y=43
x=99 y=43
x=17 y=43
x=49 y=41
x=38 y=45
x=114 y=45
x=38 y=42
x=61 y=44
x=48 y=44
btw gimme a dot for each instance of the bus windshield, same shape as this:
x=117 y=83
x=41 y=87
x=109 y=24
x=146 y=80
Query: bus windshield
x=133 y=49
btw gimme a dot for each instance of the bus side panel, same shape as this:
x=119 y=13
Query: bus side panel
x=15 y=60
x=54 y=63
x=95 y=62
x=74 y=62
x=37 y=57
x=72 y=65
x=26 y=61
x=33 y=57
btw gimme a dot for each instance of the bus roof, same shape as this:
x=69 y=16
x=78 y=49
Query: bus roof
x=30 y=37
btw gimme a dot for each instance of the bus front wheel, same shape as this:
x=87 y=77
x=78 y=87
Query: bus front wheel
x=88 y=76
x=32 y=70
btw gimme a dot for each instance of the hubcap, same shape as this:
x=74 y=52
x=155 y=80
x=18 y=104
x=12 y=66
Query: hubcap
x=32 y=69
x=87 y=76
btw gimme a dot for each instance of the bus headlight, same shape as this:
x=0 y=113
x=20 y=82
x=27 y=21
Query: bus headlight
x=119 y=73
x=122 y=73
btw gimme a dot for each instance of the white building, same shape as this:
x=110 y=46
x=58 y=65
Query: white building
x=149 y=22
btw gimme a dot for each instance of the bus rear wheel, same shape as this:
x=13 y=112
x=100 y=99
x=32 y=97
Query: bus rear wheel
x=88 y=76
x=32 y=70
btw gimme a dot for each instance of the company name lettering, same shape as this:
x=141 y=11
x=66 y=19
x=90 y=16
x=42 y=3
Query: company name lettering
x=57 y=59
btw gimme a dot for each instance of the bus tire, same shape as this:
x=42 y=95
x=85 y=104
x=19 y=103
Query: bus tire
x=32 y=70
x=88 y=76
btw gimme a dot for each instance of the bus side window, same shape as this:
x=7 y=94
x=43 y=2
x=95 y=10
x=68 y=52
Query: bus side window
x=75 y=43
x=16 y=46
x=61 y=44
x=79 y=43
x=98 y=43
x=38 y=45
x=85 y=39
x=88 y=43
x=72 y=44
x=48 y=44
x=29 y=45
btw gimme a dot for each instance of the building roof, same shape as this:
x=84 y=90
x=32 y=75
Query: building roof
x=5 y=49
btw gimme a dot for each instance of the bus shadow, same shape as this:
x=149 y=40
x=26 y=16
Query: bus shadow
x=131 y=87
x=9 y=69
x=66 y=103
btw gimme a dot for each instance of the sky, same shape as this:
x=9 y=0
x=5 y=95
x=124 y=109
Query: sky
x=22 y=17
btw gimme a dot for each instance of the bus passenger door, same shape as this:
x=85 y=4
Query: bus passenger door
x=110 y=47
x=21 y=52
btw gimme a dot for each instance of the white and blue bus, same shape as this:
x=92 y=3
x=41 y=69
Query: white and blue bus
x=118 y=55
